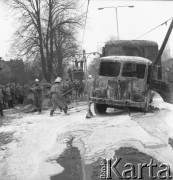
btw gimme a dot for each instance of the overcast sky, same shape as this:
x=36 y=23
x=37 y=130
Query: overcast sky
x=133 y=22
x=101 y=25
x=6 y=30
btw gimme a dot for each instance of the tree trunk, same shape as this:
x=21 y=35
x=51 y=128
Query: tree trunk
x=50 y=60
x=41 y=44
x=60 y=64
x=60 y=67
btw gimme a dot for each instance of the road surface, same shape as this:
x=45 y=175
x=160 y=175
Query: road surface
x=67 y=147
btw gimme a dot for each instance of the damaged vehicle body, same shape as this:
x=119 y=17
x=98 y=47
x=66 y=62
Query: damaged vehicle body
x=122 y=81
x=128 y=73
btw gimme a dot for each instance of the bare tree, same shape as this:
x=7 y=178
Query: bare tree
x=46 y=29
x=65 y=47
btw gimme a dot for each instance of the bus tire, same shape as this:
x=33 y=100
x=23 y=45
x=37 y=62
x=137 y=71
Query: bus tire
x=100 y=108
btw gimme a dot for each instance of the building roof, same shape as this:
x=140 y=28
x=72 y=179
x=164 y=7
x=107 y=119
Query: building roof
x=131 y=43
x=136 y=59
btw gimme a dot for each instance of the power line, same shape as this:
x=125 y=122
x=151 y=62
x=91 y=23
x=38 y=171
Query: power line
x=154 y=28
x=85 y=22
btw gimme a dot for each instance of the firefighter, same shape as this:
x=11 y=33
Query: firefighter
x=88 y=90
x=81 y=88
x=38 y=96
x=70 y=84
x=57 y=97
x=9 y=96
x=1 y=101
x=18 y=93
x=65 y=88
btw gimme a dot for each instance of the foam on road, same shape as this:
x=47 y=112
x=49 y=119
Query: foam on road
x=40 y=139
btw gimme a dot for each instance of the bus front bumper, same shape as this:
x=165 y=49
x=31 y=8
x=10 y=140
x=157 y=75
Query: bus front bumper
x=119 y=103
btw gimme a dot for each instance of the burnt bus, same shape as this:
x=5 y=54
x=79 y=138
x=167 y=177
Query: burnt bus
x=126 y=77
x=139 y=48
x=122 y=81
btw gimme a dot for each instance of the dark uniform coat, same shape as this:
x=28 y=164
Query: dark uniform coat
x=38 y=97
x=57 y=97
x=1 y=102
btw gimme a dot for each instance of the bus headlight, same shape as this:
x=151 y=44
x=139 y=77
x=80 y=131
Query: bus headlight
x=97 y=93
x=137 y=97
x=100 y=93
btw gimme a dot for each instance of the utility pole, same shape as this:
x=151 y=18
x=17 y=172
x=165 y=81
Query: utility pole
x=163 y=44
x=116 y=7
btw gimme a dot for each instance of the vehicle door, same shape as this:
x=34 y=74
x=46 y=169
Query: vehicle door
x=161 y=81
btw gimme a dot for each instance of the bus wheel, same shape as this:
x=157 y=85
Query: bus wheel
x=100 y=108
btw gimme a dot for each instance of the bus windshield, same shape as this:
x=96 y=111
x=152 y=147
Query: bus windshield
x=109 y=68
x=131 y=69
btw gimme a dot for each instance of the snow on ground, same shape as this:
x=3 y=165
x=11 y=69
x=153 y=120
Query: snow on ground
x=39 y=139
x=169 y=121
x=168 y=115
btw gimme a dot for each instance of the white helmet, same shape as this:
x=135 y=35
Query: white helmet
x=58 y=79
x=90 y=76
x=36 y=80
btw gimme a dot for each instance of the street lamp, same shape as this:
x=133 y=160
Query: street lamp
x=115 y=7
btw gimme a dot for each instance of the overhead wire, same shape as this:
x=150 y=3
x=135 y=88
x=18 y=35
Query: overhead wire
x=85 y=22
x=154 y=28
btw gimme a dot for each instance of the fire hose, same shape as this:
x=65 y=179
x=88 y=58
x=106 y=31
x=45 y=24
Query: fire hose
x=67 y=92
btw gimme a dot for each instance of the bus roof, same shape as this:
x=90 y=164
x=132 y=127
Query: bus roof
x=136 y=59
x=131 y=43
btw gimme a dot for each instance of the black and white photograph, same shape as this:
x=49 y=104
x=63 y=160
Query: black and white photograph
x=86 y=89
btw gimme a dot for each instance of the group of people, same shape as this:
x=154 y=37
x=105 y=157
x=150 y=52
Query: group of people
x=62 y=92
x=11 y=94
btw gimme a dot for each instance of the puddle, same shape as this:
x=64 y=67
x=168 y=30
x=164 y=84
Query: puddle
x=70 y=160
x=9 y=115
x=6 y=138
x=6 y=120
x=128 y=155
